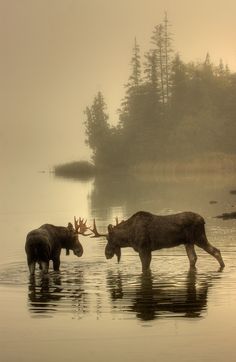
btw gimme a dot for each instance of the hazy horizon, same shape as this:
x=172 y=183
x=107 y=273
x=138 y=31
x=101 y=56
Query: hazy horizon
x=56 y=55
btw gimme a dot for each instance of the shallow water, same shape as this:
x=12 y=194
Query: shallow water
x=99 y=310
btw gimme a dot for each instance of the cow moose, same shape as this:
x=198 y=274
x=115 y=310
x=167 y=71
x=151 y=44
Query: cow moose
x=146 y=232
x=45 y=244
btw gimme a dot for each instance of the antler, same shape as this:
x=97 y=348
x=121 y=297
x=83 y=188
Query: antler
x=117 y=221
x=95 y=231
x=80 y=226
x=76 y=224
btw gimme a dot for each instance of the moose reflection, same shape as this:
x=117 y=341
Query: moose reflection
x=44 y=294
x=151 y=298
x=56 y=293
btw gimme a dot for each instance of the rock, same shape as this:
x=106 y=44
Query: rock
x=227 y=216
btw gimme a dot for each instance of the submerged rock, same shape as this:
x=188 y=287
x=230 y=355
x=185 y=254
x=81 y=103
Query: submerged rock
x=227 y=216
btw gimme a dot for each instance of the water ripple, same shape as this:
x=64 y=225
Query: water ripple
x=105 y=289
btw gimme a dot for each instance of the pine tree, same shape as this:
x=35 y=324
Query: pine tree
x=150 y=71
x=179 y=84
x=135 y=77
x=129 y=109
x=167 y=56
x=161 y=40
x=132 y=87
x=151 y=89
x=207 y=68
x=97 y=127
x=158 y=41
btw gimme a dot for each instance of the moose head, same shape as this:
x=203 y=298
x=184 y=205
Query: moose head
x=79 y=228
x=73 y=242
x=113 y=246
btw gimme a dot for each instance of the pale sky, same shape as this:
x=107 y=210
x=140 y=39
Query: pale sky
x=56 y=54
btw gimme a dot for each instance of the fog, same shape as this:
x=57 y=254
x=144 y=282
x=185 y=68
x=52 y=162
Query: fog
x=55 y=55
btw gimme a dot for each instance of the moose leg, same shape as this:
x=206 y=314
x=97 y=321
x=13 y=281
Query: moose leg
x=31 y=266
x=45 y=266
x=56 y=264
x=214 y=252
x=192 y=256
x=210 y=249
x=31 y=263
x=145 y=257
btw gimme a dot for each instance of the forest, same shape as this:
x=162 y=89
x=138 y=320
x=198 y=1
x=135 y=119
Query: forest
x=171 y=110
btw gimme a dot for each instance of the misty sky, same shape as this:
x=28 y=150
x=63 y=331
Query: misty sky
x=56 y=54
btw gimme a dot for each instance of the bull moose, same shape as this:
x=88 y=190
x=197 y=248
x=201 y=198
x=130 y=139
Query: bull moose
x=45 y=244
x=146 y=232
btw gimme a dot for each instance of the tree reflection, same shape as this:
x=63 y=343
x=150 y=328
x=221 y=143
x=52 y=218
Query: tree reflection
x=165 y=193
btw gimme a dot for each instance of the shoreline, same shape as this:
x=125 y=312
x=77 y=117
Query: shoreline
x=204 y=165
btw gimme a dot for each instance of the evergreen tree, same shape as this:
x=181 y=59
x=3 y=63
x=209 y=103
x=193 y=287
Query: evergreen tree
x=151 y=72
x=132 y=87
x=162 y=41
x=135 y=77
x=175 y=110
x=222 y=71
x=167 y=56
x=153 y=105
x=179 y=81
x=158 y=41
x=97 y=128
x=139 y=115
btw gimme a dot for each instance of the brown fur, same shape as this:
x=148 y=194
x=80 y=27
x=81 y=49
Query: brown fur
x=146 y=232
x=45 y=244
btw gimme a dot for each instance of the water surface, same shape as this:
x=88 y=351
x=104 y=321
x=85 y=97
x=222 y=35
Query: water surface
x=97 y=310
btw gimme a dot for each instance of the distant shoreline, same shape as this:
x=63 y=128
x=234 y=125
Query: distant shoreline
x=207 y=164
x=83 y=170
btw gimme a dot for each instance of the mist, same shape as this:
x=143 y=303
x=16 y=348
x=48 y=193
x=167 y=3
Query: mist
x=68 y=154
x=57 y=55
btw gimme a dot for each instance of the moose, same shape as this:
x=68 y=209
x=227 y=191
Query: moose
x=45 y=244
x=146 y=232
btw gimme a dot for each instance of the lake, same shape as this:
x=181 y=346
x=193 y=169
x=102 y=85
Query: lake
x=98 y=310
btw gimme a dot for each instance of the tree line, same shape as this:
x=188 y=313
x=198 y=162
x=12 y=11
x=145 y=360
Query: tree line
x=171 y=109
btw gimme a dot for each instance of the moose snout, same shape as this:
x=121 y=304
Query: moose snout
x=78 y=252
x=109 y=253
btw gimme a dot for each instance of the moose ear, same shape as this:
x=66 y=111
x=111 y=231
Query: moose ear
x=70 y=226
x=110 y=228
